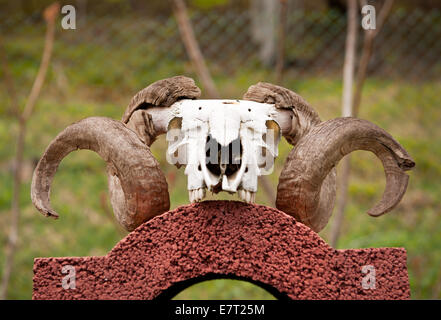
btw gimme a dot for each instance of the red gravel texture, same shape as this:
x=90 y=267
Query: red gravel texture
x=225 y=239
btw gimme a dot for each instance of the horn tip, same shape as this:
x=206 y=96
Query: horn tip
x=50 y=213
x=53 y=215
x=408 y=164
x=375 y=213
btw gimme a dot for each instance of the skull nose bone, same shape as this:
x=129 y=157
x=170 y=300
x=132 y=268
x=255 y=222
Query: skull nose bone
x=223 y=160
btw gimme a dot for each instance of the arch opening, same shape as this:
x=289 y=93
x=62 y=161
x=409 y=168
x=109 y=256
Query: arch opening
x=174 y=290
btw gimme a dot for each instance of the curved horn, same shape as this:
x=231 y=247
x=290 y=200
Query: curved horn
x=138 y=187
x=295 y=117
x=306 y=187
x=147 y=113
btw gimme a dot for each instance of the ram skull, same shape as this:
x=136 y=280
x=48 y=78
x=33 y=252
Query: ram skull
x=225 y=145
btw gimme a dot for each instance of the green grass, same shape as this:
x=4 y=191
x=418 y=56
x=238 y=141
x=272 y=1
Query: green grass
x=86 y=79
x=224 y=289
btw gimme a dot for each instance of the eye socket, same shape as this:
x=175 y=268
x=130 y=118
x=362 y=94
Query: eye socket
x=175 y=123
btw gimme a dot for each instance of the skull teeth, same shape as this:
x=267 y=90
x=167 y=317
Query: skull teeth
x=196 y=195
x=247 y=196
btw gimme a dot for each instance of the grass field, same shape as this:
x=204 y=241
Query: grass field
x=88 y=80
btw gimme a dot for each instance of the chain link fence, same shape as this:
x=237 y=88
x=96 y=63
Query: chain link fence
x=407 y=47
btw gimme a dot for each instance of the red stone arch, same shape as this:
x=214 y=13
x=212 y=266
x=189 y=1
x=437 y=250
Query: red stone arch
x=216 y=239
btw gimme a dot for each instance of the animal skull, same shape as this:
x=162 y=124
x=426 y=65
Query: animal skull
x=307 y=183
x=224 y=144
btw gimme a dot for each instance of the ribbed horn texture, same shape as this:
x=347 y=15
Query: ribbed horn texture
x=163 y=93
x=304 y=117
x=307 y=183
x=302 y=192
x=138 y=187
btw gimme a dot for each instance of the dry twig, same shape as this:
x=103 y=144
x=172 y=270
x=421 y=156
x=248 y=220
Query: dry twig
x=348 y=79
x=369 y=37
x=50 y=14
x=192 y=47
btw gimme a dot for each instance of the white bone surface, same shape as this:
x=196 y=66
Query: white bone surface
x=225 y=121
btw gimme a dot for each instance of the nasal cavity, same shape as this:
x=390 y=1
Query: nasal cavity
x=223 y=159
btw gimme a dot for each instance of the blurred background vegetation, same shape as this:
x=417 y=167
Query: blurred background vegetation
x=119 y=47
